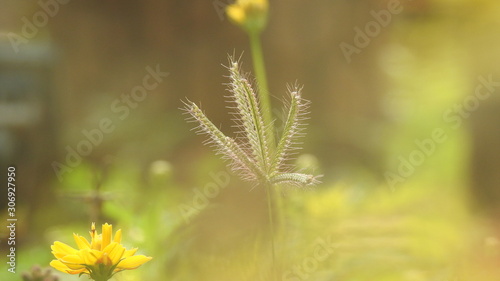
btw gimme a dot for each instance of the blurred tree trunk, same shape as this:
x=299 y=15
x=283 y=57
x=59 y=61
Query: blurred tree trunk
x=482 y=39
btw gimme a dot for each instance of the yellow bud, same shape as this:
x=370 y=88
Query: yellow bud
x=251 y=15
x=236 y=14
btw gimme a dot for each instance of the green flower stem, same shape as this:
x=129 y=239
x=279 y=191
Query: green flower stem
x=260 y=74
x=101 y=279
x=269 y=191
x=265 y=102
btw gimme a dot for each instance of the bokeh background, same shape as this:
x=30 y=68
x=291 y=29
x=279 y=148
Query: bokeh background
x=417 y=73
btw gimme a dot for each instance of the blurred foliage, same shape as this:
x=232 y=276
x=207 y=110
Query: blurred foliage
x=418 y=232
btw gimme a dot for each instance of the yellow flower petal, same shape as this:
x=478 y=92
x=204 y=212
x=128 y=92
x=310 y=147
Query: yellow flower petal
x=90 y=256
x=63 y=268
x=73 y=262
x=84 y=270
x=81 y=242
x=107 y=232
x=57 y=264
x=110 y=247
x=58 y=255
x=96 y=242
x=116 y=254
x=133 y=262
x=105 y=259
x=118 y=236
x=129 y=253
x=63 y=249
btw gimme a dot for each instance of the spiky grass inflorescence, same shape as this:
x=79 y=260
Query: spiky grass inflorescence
x=296 y=179
x=254 y=158
x=241 y=163
x=296 y=111
x=248 y=118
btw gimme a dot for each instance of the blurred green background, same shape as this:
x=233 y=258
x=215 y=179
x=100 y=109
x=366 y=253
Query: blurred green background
x=399 y=201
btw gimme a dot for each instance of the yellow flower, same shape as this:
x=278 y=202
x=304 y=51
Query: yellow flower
x=249 y=14
x=100 y=259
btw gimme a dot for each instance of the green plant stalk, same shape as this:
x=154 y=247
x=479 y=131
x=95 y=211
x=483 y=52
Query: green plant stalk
x=265 y=102
x=271 y=226
x=263 y=93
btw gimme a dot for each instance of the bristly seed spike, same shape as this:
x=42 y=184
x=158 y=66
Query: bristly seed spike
x=249 y=152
